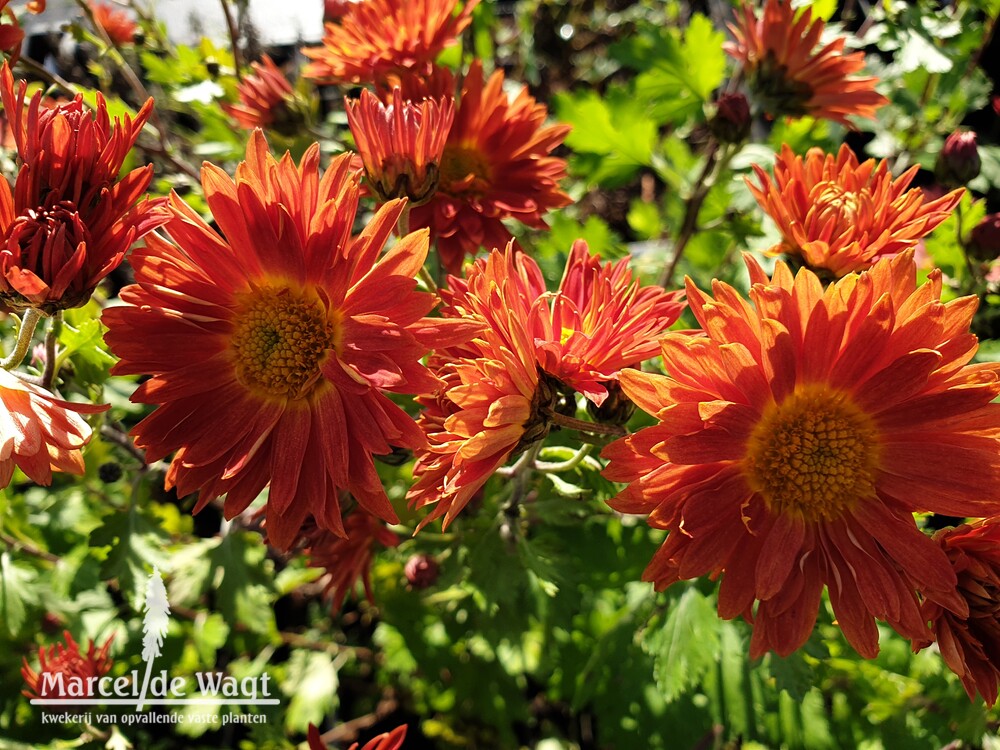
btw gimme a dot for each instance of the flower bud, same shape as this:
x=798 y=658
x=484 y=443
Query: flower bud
x=421 y=571
x=731 y=121
x=616 y=409
x=984 y=240
x=959 y=162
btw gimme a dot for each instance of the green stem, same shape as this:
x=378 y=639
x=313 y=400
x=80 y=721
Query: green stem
x=51 y=339
x=716 y=160
x=570 y=463
x=973 y=276
x=25 y=333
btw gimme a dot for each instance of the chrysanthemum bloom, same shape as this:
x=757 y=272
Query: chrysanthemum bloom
x=270 y=346
x=376 y=38
x=117 y=24
x=68 y=662
x=839 y=216
x=493 y=401
x=401 y=143
x=969 y=641
x=39 y=433
x=496 y=165
x=267 y=100
x=500 y=389
x=797 y=437
x=386 y=741
x=348 y=560
x=792 y=73
x=601 y=321
x=70 y=220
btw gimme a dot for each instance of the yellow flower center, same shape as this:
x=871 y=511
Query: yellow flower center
x=464 y=168
x=813 y=455
x=837 y=203
x=280 y=340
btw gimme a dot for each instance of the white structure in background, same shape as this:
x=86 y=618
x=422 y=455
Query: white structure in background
x=277 y=22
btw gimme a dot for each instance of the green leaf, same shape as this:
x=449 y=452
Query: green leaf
x=244 y=581
x=15 y=591
x=135 y=543
x=685 y=647
x=312 y=683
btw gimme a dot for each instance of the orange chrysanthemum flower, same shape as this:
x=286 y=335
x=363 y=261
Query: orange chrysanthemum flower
x=386 y=741
x=379 y=38
x=500 y=389
x=68 y=662
x=792 y=73
x=117 y=24
x=401 y=143
x=40 y=434
x=348 y=560
x=969 y=640
x=270 y=347
x=496 y=165
x=493 y=401
x=797 y=437
x=70 y=220
x=266 y=100
x=840 y=216
x=601 y=321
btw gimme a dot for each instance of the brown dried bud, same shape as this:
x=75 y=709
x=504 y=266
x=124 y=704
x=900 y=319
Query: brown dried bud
x=421 y=571
x=731 y=121
x=959 y=162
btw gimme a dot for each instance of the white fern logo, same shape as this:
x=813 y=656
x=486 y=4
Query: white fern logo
x=154 y=627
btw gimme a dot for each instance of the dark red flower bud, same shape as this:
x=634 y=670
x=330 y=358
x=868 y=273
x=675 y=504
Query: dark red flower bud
x=959 y=162
x=984 y=240
x=421 y=571
x=731 y=121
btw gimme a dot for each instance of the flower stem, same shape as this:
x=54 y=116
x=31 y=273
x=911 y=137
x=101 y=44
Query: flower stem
x=51 y=339
x=24 y=335
x=716 y=160
x=570 y=463
x=580 y=425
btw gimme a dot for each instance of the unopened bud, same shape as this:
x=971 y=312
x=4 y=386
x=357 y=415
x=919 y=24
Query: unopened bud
x=984 y=240
x=421 y=571
x=110 y=472
x=959 y=162
x=731 y=121
x=616 y=409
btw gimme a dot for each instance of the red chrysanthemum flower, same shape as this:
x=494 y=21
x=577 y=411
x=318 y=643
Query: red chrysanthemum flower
x=969 y=640
x=840 y=216
x=496 y=165
x=386 y=741
x=378 y=38
x=792 y=73
x=602 y=320
x=68 y=662
x=797 y=437
x=347 y=560
x=499 y=389
x=401 y=143
x=70 y=220
x=267 y=100
x=117 y=24
x=270 y=347
x=39 y=433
